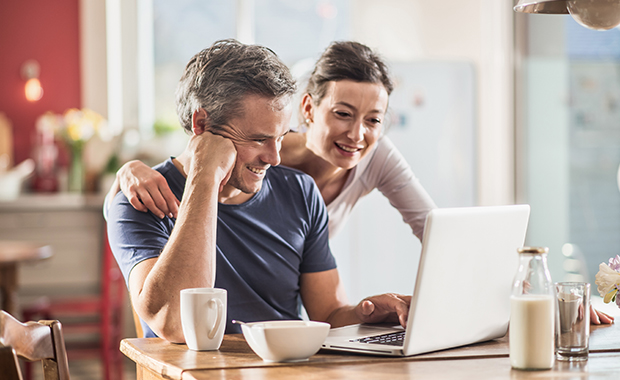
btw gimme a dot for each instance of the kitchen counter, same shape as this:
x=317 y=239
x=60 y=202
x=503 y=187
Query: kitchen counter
x=53 y=201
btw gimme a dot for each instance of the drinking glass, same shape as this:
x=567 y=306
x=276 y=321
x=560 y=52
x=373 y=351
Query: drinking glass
x=572 y=321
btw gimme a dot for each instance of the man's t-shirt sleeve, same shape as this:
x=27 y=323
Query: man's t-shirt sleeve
x=317 y=255
x=134 y=236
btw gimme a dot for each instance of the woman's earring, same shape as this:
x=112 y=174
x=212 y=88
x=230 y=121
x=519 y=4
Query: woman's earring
x=308 y=121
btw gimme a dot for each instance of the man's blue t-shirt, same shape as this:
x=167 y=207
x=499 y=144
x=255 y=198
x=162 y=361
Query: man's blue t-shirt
x=263 y=245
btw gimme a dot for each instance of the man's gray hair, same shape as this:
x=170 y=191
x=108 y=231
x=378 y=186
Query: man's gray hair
x=218 y=78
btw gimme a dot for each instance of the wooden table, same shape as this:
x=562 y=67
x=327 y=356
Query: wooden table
x=157 y=359
x=13 y=253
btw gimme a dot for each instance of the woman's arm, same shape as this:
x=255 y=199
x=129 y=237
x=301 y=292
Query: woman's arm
x=146 y=189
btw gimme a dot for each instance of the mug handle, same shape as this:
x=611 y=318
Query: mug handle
x=220 y=307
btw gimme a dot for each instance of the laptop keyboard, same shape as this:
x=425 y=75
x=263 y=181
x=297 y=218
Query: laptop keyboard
x=391 y=339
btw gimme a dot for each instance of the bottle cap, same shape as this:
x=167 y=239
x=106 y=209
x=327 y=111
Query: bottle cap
x=533 y=250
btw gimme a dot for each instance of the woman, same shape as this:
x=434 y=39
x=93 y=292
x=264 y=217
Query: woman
x=342 y=148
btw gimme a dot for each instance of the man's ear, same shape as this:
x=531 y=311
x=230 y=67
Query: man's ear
x=307 y=108
x=199 y=121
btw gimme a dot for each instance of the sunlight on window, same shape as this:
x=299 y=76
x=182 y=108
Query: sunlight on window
x=297 y=31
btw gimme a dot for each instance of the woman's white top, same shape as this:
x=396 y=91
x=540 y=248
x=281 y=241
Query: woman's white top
x=387 y=170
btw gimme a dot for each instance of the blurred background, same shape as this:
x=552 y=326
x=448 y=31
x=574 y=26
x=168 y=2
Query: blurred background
x=491 y=107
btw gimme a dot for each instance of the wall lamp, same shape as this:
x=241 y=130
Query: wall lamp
x=593 y=14
x=30 y=73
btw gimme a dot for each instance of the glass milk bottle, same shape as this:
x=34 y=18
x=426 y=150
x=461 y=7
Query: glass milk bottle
x=532 y=312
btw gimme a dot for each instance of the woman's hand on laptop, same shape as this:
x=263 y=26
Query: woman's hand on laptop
x=388 y=307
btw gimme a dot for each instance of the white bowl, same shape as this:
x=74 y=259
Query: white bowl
x=285 y=341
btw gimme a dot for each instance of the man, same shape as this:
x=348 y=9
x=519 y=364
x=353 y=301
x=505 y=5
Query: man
x=257 y=231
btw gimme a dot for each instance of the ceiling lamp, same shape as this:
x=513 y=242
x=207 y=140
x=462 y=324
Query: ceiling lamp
x=593 y=14
x=30 y=73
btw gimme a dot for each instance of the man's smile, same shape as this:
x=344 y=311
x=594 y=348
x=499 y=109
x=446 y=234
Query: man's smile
x=258 y=170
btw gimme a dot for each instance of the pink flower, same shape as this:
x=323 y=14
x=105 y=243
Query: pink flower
x=614 y=263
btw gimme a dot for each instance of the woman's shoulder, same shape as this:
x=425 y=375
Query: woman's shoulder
x=383 y=165
x=379 y=155
x=293 y=149
x=385 y=145
x=386 y=153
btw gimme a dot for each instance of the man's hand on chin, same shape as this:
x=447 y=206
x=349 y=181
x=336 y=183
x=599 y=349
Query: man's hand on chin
x=213 y=154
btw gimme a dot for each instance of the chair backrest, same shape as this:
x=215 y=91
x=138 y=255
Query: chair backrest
x=9 y=366
x=36 y=341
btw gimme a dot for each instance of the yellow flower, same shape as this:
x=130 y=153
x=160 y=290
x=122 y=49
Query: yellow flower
x=75 y=126
x=607 y=279
x=81 y=124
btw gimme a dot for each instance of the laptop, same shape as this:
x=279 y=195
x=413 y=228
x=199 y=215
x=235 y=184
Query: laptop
x=462 y=289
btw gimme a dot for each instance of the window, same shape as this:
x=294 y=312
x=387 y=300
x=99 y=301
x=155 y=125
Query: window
x=180 y=30
x=571 y=143
x=298 y=31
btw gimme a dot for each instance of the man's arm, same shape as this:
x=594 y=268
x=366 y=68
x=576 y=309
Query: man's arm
x=325 y=300
x=188 y=259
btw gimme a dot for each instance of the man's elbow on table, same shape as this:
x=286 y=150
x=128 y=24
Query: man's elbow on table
x=160 y=312
x=171 y=332
x=163 y=323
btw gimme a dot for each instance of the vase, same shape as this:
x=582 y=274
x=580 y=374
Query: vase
x=76 y=170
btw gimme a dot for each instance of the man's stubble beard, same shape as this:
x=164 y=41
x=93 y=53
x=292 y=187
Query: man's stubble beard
x=236 y=181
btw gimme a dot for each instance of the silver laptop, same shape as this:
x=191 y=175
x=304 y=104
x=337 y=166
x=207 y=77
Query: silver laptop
x=462 y=290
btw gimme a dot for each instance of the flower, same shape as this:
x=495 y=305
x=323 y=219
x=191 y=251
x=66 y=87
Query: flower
x=614 y=263
x=75 y=126
x=608 y=280
x=49 y=122
x=81 y=125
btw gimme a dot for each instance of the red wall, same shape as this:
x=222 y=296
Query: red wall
x=47 y=31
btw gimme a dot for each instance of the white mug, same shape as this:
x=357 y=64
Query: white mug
x=203 y=317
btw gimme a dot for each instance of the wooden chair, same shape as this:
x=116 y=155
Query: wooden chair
x=33 y=341
x=136 y=321
x=9 y=366
x=98 y=314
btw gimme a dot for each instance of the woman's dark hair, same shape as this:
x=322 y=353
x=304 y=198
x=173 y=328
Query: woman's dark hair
x=347 y=60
